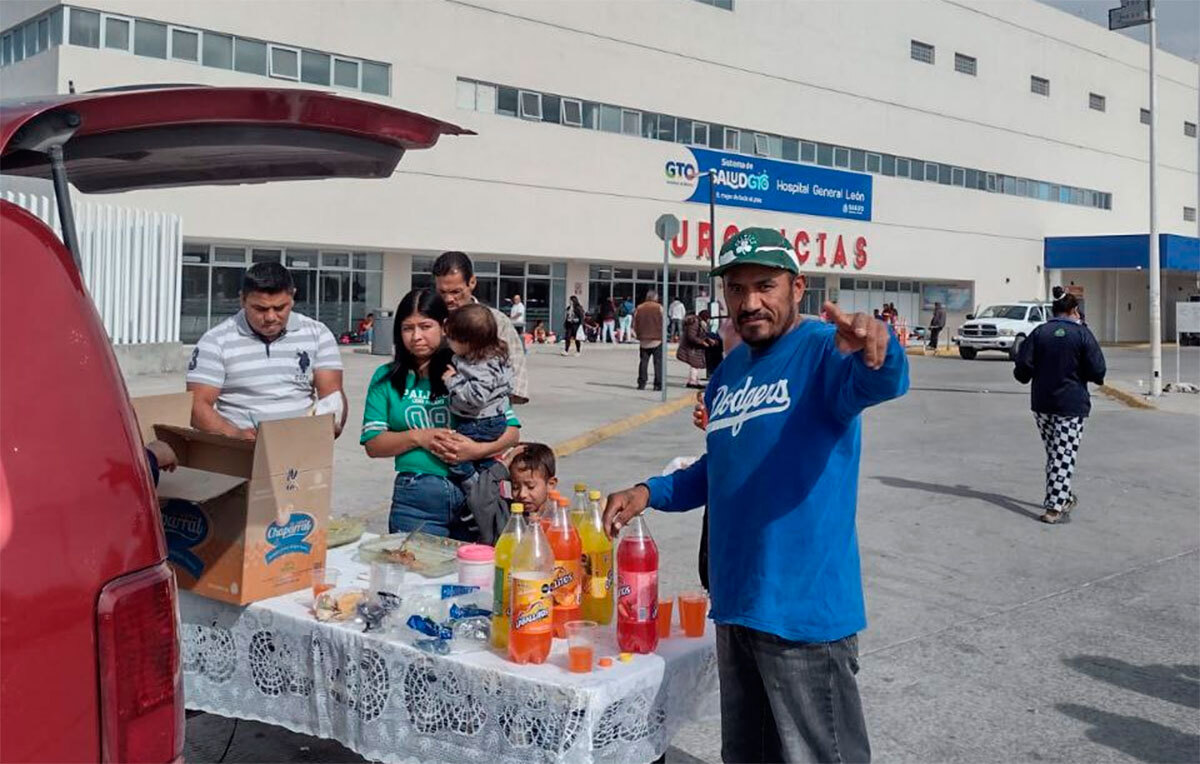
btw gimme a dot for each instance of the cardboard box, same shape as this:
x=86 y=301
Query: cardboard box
x=244 y=520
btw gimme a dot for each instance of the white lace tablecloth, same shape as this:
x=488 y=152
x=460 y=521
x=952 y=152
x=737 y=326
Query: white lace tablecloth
x=273 y=662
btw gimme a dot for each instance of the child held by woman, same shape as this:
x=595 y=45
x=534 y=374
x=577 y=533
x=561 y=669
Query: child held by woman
x=479 y=380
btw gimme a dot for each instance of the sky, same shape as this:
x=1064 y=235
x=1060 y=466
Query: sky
x=1178 y=22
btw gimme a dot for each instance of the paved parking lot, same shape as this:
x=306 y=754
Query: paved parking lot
x=992 y=637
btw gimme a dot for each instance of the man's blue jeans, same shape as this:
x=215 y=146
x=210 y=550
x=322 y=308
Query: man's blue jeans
x=789 y=701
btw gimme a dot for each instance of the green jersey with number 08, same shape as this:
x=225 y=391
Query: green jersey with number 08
x=387 y=411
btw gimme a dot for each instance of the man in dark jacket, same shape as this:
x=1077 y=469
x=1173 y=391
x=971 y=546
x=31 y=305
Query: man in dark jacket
x=937 y=324
x=1060 y=357
x=648 y=326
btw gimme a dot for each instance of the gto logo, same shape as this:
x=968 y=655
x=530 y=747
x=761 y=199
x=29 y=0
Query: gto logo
x=680 y=172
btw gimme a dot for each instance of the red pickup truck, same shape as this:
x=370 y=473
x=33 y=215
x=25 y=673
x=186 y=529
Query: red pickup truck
x=89 y=625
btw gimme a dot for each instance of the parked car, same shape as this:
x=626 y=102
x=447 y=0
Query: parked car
x=1000 y=327
x=89 y=637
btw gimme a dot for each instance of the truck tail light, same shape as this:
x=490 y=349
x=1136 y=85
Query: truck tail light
x=141 y=684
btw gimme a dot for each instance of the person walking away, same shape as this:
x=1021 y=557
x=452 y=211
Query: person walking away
x=478 y=381
x=264 y=362
x=407 y=418
x=647 y=322
x=676 y=313
x=784 y=570
x=692 y=348
x=608 y=320
x=1060 y=357
x=936 y=324
x=625 y=312
x=454 y=276
x=571 y=326
x=516 y=314
x=714 y=350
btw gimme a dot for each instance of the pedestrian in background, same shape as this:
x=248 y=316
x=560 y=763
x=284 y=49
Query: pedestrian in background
x=647 y=322
x=692 y=346
x=676 y=313
x=571 y=326
x=714 y=350
x=625 y=313
x=517 y=314
x=1060 y=357
x=937 y=324
x=608 y=320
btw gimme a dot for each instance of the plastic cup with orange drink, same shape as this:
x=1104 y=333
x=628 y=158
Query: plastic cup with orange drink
x=324 y=579
x=664 y=617
x=581 y=646
x=693 y=612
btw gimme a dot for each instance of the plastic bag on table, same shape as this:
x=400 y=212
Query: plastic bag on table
x=444 y=619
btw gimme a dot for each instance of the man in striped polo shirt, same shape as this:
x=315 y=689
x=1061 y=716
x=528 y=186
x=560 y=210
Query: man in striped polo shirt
x=265 y=362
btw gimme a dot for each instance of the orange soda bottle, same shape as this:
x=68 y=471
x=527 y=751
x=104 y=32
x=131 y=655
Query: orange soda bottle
x=567 y=585
x=531 y=627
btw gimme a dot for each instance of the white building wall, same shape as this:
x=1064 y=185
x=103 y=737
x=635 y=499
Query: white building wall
x=833 y=72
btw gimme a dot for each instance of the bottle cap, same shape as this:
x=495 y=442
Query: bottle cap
x=563 y=501
x=625 y=657
x=605 y=662
x=580 y=487
x=516 y=508
x=594 y=495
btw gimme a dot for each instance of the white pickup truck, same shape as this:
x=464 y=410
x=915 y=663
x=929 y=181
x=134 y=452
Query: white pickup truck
x=1000 y=327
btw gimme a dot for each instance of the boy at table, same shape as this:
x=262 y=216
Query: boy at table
x=532 y=469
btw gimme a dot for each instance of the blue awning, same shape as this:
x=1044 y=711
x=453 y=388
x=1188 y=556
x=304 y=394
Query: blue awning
x=1177 y=253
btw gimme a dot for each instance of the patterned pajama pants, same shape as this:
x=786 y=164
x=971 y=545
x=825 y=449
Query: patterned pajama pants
x=1060 y=436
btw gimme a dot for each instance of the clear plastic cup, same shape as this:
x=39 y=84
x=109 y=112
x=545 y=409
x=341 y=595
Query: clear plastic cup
x=324 y=579
x=581 y=646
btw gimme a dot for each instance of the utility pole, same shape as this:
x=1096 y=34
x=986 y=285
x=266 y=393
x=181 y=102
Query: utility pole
x=1134 y=13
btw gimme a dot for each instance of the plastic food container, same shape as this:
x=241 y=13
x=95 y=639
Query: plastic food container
x=476 y=565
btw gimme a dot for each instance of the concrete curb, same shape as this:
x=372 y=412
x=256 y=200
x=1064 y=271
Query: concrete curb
x=1132 y=400
x=621 y=426
x=942 y=352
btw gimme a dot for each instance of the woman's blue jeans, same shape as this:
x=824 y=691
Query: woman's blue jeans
x=428 y=499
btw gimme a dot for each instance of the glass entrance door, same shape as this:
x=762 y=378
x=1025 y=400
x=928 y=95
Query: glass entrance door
x=537 y=305
x=334 y=308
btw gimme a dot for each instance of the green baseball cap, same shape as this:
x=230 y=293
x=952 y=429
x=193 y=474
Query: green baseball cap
x=757 y=246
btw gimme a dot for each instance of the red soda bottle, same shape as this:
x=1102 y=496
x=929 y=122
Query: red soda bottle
x=637 y=589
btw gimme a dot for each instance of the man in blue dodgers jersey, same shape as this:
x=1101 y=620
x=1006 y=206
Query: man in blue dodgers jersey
x=780 y=478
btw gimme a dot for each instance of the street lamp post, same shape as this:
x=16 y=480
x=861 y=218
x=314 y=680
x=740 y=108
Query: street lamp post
x=666 y=227
x=1134 y=13
x=712 y=244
